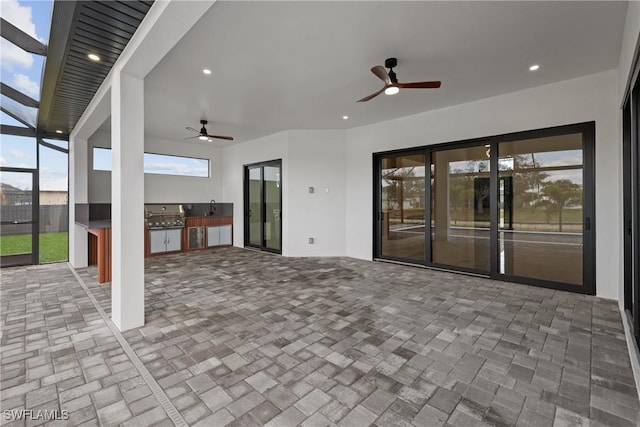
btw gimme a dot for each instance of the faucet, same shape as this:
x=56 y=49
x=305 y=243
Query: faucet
x=212 y=207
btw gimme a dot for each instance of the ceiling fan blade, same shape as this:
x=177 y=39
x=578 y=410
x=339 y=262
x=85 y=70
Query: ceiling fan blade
x=381 y=73
x=190 y=128
x=373 y=95
x=420 y=85
x=228 y=138
x=191 y=137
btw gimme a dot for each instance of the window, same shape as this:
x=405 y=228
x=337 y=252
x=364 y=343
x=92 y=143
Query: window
x=101 y=159
x=174 y=165
x=159 y=164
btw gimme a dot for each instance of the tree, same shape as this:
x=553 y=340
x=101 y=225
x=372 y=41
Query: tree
x=400 y=186
x=527 y=179
x=560 y=194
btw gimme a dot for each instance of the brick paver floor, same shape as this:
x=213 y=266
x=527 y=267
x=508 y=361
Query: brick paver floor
x=243 y=338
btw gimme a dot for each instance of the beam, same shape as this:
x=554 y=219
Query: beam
x=14 y=116
x=18 y=96
x=17 y=131
x=21 y=39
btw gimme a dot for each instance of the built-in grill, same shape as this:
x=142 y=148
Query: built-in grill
x=164 y=216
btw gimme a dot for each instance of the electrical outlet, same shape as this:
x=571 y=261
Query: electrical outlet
x=311 y=190
x=311 y=240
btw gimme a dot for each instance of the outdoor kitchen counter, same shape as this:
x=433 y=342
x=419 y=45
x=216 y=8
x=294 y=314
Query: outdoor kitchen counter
x=99 y=246
x=103 y=223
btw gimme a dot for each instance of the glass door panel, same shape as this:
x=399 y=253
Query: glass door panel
x=402 y=199
x=272 y=205
x=540 y=208
x=461 y=208
x=255 y=206
x=18 y=220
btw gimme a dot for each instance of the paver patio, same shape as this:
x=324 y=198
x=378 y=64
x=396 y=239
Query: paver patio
x=238 y=337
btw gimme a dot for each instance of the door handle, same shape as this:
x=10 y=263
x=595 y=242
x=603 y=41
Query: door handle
x=587 y=223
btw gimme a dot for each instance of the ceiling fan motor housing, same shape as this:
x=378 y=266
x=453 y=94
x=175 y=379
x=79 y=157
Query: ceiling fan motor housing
x=391 y=62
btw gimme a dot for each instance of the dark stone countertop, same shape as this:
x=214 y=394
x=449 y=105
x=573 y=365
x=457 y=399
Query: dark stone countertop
x=101 y=223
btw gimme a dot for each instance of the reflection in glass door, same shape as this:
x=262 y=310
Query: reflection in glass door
x=19 y=218
x=263 y=206
x=402 y=218
x=540 y=208
x=461 y=214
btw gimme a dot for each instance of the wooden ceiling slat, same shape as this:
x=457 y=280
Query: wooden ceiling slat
x=101 y=24
x=88 y=13
x=119 y=9
x=100 y=34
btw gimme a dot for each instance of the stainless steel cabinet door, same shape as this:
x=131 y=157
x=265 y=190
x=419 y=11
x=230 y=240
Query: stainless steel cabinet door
x=158 y=241
x=174 y=240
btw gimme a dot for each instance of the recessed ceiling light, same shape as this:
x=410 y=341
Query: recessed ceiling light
x=345 y=117
x=206 y=71
x=93 y=57
x=534 y=67
x=58 y=131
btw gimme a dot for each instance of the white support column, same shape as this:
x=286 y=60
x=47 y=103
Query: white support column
x=78 y=193
x=127 y=201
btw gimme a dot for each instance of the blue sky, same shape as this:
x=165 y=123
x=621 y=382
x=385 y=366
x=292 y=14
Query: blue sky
x=23 y=71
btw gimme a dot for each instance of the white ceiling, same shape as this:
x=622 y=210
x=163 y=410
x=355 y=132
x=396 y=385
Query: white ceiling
x=303 y=65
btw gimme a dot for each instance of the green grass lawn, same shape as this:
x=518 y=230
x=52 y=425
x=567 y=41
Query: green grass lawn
x=54 y=247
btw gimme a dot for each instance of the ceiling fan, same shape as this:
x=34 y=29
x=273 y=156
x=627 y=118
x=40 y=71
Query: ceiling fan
x=391 y=85
x=203 y=135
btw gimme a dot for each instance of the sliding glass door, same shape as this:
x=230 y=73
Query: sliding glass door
x=516 y=207
x=263 y=206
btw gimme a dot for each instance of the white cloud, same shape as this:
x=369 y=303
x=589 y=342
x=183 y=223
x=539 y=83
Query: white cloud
x=11 y=55
x=17 y=154
x=18 y=15
x=23 y=83
x=59 y=184
x=3 y=161
x=174 y=169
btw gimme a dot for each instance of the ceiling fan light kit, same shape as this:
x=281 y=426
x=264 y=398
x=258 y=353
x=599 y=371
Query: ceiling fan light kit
x=391 y=90
x=391 y=85
x=203 y=135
